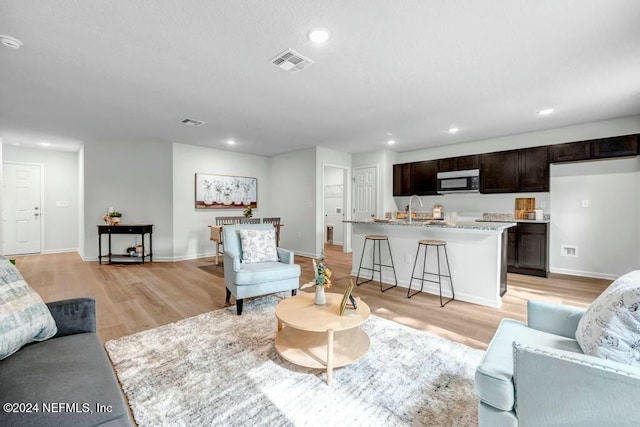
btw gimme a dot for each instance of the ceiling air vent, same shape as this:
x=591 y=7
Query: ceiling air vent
x=291 y=61
x=191 y=122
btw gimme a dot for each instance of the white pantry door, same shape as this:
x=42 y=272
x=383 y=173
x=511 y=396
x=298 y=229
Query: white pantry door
x=364 y=193
x=21 y=212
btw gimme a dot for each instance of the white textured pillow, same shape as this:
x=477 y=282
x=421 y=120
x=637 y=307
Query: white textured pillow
x=24 y=318
x=610 y=328
x=258 y=246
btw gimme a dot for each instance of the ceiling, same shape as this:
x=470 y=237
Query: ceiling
x=121 y=70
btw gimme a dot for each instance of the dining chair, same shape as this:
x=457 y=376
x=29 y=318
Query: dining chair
x=276 y=224
x=250 y=221
x=216 y=233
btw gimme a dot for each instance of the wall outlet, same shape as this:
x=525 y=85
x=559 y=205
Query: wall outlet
x=585 y=203
x=299 y=235
x=570 y=251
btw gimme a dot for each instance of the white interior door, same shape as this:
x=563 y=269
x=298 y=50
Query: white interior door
x=364 y=193
x=21 y=216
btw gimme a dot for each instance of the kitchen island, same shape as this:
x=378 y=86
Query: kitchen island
x=477 y=256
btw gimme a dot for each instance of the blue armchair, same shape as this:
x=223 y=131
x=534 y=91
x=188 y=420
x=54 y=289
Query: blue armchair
x=537 y=375
x=262 y=278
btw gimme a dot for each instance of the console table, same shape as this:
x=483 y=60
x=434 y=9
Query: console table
x=140 y=229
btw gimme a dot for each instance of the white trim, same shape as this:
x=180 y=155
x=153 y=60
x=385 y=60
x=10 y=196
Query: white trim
x=307 y=254
x=60 y=251
x=42 y=210
x=592 y=274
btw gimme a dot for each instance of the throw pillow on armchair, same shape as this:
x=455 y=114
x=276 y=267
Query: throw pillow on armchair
x=610 y=328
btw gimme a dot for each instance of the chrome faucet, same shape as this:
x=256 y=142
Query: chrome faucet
x=411 y=202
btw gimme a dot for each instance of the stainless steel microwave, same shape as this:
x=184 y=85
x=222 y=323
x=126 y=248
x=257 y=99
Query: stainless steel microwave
x=467 y=181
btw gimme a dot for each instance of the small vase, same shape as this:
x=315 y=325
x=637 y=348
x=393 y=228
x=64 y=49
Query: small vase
x=208 y=197
x=320 y=298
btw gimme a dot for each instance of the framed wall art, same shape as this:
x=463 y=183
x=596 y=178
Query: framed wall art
x=225 y=192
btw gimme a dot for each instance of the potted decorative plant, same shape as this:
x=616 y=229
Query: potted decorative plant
x=114 y=217
x=248 y=212
x=322 y=280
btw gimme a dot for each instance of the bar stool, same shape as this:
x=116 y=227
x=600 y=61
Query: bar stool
x=437 y=244
x=376 y=239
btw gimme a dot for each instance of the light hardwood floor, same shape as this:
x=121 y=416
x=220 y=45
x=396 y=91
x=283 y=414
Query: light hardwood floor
x=133 y=298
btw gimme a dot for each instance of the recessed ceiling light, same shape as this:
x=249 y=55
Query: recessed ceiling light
x=45 y=144
x=230 y=141
x=10 y=42
x=319 y=35
x=391 y=141
x=453 y=130
x=545 y=112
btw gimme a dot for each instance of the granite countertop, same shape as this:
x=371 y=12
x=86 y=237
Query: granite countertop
x=533 y=221
x=460 y=225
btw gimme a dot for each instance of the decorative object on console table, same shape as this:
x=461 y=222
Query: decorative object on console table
x=322 y=280
x=248 y=212
x=225 y=192
x=115 y=218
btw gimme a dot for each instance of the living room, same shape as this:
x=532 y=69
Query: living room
x=112 y=125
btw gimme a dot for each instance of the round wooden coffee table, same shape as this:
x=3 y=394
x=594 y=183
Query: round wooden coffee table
x=316 y=336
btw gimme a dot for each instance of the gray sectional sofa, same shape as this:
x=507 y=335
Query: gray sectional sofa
x=66 y=380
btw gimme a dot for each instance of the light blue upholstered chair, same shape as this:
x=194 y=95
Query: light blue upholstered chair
x=262 y=278
x=537 y=375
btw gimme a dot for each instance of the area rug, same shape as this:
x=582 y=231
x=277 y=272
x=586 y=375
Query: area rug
x=222 y=369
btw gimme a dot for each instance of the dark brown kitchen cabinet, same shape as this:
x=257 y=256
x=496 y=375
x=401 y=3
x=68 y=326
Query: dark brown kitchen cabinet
x=515 y=171
x=618 y=146
x=424 y=178
x=570 y=152
x=528 y=249
x=459 y=163
x=402 y=180
x=499 y=172
x=415 y=178
x=533 y=172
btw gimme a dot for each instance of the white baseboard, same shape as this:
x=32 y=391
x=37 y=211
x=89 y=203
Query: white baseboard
x=592 y=274
x=60 y=251
x=307 y=254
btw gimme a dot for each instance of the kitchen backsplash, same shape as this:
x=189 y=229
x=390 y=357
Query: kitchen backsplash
x=474 y=202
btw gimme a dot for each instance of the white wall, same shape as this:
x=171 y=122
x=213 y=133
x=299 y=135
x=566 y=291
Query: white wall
x=333 y=200
x=136 y=179
x=607 y=233
x=60 y=177
x=293 y=196
x=190 y=225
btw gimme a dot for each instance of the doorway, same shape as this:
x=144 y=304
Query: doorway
x=22 y=213
x=334 y=207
